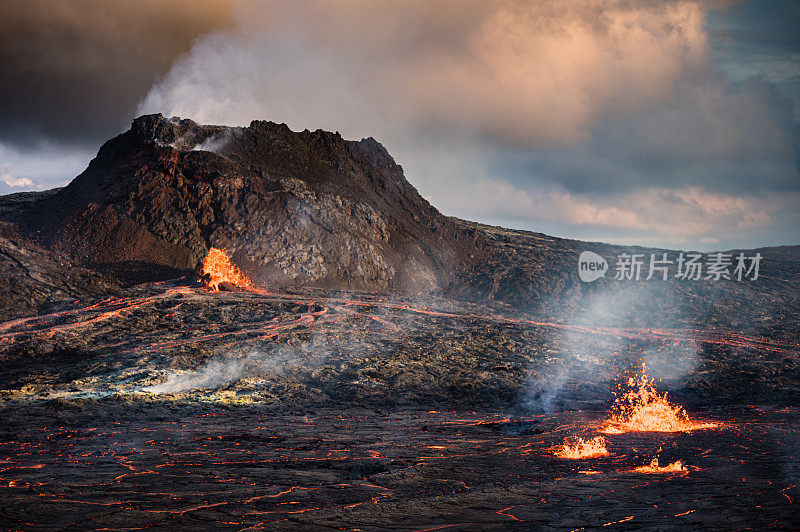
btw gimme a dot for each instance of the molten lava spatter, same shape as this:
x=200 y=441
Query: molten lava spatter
x=592 y=448
x=639 y=408
x=653 y=468
x=218 y=266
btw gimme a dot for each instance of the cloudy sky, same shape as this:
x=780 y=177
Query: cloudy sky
x=670 y=123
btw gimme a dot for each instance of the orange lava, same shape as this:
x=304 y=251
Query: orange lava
x=653 y=467
x=584 y=449
x=219 y=267
x=639 y=408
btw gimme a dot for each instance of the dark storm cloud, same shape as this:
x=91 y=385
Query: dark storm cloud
x=735 y=138
x=771 y=23
x=73 y=70
x=761 y=39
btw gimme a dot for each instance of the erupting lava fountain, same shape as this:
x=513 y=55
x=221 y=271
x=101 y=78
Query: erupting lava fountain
x=217 y=265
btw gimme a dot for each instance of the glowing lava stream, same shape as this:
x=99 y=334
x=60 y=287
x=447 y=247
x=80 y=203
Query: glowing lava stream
x=639 y=408
x=217 y=265
x=218 y=270
x=593 y=448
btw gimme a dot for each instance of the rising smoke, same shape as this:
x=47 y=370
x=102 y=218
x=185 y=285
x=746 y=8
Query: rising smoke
x=583 y=366
x=231 y=367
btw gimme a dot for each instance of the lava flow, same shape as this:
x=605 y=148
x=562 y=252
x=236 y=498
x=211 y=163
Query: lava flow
x=592 y=448
x=639 y=408
x=219 y=269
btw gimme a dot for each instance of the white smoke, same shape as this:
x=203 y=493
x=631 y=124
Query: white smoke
x=212 y=375
x=234 y=366
x=215 y=144
x=530 y=73
x=586 y=358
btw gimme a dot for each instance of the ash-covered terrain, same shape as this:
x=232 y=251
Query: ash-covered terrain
x=386 y=367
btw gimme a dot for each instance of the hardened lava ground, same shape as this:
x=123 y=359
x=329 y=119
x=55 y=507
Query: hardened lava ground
x=175 y=406
x=119 y=466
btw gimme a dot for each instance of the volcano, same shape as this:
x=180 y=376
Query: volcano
x=297 y=209
x=254 y=328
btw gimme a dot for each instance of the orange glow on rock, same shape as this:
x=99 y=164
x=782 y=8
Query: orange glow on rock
x=584 y=449
x=218 y=266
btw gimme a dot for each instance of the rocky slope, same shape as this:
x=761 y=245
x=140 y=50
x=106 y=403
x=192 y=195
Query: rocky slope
x=33 y=279
x=538 y=273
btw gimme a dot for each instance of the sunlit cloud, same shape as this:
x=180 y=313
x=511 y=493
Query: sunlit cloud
x=571 y=116
x=585 y=119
